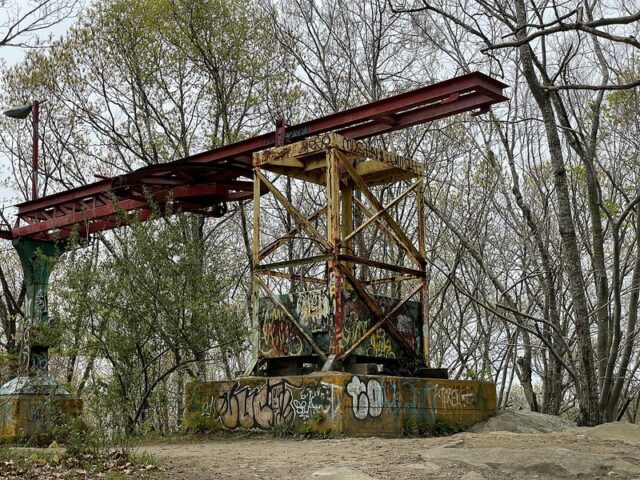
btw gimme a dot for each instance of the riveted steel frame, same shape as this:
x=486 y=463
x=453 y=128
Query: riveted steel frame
x=225 y=170
x=342 y=167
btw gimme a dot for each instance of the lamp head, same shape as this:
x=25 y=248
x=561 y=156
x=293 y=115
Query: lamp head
x=20 y=112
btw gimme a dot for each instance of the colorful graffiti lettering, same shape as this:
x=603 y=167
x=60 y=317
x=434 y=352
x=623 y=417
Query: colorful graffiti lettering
x=264 y=407
x=325 y=404
x=380 y=345
x=367 y=397
x=357 y=318
x=279 y=336
x=354 y=328
x=313 y=309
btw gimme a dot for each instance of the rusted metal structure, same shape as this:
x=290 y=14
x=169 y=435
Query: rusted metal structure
x=333 y=319
x=200 y=182
x=205 y=182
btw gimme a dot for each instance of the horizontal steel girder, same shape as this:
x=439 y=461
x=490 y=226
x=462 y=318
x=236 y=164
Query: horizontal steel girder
x=220 y=175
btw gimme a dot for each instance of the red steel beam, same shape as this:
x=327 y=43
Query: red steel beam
x=93 y=207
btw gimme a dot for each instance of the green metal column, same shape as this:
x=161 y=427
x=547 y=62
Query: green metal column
x=38 y=259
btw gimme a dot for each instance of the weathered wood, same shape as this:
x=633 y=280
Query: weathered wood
x=274 y=298
x=295 y=213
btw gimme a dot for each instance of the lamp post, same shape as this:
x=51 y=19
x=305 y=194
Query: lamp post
x=21 y=112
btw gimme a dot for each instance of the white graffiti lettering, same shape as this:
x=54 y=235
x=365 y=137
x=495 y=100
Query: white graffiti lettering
x=367 y=397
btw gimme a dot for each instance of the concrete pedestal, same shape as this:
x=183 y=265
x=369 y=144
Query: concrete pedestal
x=338 y=403
x=35 y=416
x=31 y=407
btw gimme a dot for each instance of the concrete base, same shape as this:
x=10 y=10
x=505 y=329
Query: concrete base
x=35 y=416
x=338 y=403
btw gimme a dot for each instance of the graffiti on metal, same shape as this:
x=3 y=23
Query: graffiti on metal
x=278 y=336
x=313 y=309
x=358 y=319
x=363 y=149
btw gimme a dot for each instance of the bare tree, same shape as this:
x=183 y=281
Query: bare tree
x=551 y=45
x=22 y=20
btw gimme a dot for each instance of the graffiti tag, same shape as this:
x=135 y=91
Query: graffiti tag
x=316 y=400
x=278 y=334
x=454 y=396
x=367 y=397
x=262 y=407
x=313 y=308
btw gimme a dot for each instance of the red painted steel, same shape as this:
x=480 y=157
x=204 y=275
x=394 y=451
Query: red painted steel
x=198 y=182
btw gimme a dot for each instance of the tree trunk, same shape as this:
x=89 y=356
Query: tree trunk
x=587 y=389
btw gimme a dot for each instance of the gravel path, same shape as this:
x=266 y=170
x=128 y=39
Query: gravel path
x=608 y=451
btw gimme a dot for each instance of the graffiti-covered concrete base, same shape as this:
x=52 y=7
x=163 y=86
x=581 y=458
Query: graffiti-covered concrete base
x=337 y=403
x=35 y=416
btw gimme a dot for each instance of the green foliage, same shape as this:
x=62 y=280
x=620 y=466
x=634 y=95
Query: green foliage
x=152 y=300
x=284 y=429
x=430 y=427
x=474 y=374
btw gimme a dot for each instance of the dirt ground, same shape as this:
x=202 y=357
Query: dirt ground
x=609 y=451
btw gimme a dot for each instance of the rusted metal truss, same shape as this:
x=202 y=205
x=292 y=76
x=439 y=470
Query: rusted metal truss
x=204 y=182
x=341 y=166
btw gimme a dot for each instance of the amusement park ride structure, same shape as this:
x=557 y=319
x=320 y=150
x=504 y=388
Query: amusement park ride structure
x=329 y=152
x=209 y=178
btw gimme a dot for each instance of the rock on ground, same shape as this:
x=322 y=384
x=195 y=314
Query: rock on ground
x=498 y=452
x=521 y=421
x=472 y=476
x=340 y=473
x=555 y=462
x=621 y=432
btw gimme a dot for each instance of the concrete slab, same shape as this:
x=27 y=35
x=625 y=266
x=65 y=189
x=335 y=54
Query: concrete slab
x=338 y=403
x=35 y=416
